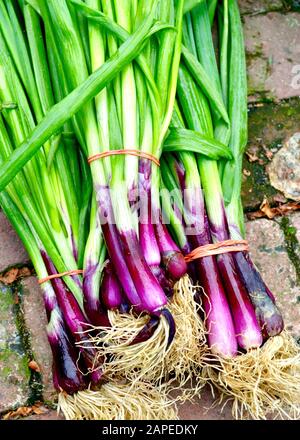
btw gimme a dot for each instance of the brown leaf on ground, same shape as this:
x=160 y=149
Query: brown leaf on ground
x=14 y=274
x=266 y=211
x=252 y=157
x=34 y=366
x=10 y=276
x=25 y=411
x=256 y=104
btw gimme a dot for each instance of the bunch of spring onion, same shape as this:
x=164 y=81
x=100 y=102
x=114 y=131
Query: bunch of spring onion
x=50 y=199
x=251 y=360
x=132 y=113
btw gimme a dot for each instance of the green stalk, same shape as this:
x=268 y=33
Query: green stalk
x=112 y=46
x=223 y=18
x=204 y=43
x=190 y=4
x=13 y=36
x=112 y=27
x=129 y=103
x=23 y=199
x=174 y=223
x=98 y=49
x=238 y=113
x=203 y=80
x=212 y=4
x=48 y=191
x=38 y=55
x=198 y=117
x=39 y=58
x=173 y=76
x=64 y=110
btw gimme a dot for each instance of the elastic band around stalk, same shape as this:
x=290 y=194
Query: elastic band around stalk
x=60 y=275
x=136 y=153
x=222 y=247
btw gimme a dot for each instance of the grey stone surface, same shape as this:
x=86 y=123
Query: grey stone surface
x=259 y=6
x=270 y=126
x=273 y=54
x=14 y=373
x=269 y=254
x=284 y=170
x=11 y=249
x=36 y=322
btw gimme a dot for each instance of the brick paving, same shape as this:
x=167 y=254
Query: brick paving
x=273 y=49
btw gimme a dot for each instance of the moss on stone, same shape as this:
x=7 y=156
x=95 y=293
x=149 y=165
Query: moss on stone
x=269 y=126
x=292 y=244
x=13 y=365
x=291 y=5
x=35 y=378
x=6 y=298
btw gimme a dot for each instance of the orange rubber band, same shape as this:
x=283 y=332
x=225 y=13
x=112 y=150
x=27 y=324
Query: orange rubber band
x=59 y=275
x=136 y=153
x=217 y=248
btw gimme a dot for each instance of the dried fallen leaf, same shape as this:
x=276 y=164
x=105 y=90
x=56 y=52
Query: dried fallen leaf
x=246 y=173
x=256 y=104
x=13 y=274
x=25 y=411
x=266 y=211
x=34 y=366
x=251 y=157
x=10 y=276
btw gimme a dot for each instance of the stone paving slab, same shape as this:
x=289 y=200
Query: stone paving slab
x=269 y=254
x=259 y=6
x=273 y=55
x=270 y=127
x=36 y=321
x=14 y=373
x=12 y=251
